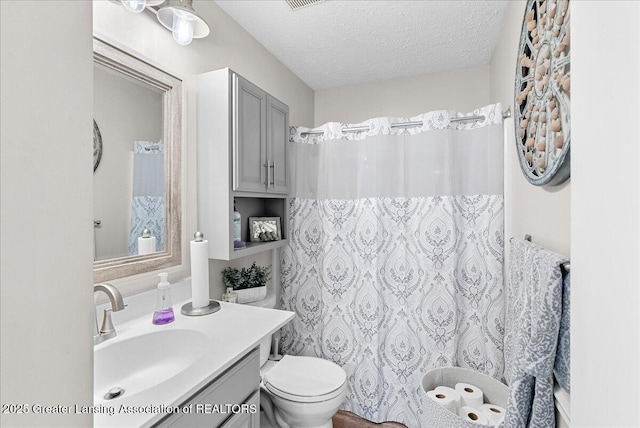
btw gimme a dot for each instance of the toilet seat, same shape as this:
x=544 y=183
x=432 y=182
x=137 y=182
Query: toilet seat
x=302 y=399
x=305 y=379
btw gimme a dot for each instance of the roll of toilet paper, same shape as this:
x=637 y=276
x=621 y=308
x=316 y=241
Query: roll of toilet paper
x=146 y=245
x=451 y=392
x=472 y=414
x=494 y=413
x=444 y=399
x=470 y=395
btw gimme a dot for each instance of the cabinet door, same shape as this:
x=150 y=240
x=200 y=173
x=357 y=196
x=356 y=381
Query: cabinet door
x=210 y=407
x=277 y=135
x=250 y=137
x=249 y=417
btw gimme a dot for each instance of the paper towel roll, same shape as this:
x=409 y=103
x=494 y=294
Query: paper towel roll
x=444 y=399
x=472 y=414
x=200 y=273
x=147 y=245
x=470 y=395
x=494 y=413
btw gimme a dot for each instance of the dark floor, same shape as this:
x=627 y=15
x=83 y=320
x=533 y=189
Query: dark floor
x=344 y=419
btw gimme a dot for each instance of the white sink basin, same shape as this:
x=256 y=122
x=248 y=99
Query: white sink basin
x=141 y=362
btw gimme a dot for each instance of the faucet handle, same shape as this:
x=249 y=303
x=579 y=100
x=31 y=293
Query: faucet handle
x=107 y=329
x=107 y=325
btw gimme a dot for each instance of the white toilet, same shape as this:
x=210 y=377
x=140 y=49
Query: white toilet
x=299 y=392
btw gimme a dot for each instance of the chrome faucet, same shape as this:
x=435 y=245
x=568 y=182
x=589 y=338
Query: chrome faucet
x=107 y=330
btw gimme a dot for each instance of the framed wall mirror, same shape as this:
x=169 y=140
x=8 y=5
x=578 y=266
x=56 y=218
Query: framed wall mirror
x=137 y=189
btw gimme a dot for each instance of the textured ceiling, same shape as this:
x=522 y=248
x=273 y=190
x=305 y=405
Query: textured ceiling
x=346 y=42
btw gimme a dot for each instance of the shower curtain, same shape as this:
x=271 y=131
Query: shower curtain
x=147 y=202
x=394 y=265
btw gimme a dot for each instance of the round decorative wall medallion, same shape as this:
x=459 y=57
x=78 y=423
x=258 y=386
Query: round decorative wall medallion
x=97 y=146
x=542 y=97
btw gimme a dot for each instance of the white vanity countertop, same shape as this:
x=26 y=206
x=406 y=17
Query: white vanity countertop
x=233 y=331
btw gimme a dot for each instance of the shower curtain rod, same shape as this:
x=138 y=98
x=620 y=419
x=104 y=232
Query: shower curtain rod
x=505 y=114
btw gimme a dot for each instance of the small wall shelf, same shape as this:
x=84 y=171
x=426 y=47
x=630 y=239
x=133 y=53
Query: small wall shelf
x=257 y=247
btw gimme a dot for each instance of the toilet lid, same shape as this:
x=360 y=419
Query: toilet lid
x=304 y=377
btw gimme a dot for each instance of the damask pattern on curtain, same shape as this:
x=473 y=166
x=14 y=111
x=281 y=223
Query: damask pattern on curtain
x=394 y=265
x=148 y=200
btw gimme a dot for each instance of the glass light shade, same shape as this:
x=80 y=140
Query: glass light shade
x=183 y=23
x=135 y=6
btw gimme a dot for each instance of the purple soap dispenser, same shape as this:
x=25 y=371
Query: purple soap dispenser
x=164 y=309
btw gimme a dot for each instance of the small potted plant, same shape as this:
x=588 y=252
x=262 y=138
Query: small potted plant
x=250 y=283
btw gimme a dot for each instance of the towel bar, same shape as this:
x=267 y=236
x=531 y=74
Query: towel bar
x=567 y=265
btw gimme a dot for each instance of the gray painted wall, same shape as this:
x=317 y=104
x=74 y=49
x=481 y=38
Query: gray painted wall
x=46 y=258
x=605 y=205
x=460 y=90
x=542 y=212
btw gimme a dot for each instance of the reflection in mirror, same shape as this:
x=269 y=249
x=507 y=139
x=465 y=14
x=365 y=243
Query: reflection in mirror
x=128 y=186
x=137 y=108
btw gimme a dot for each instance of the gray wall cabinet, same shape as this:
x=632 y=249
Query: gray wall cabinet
x=277 y=133
x=242 y=136
x=260 y=125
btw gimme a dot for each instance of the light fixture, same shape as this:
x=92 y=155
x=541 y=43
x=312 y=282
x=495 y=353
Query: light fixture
x=177 y=16
x=137 y=6
x=180 y=17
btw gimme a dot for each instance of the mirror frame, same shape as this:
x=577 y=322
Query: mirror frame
x=126 y=63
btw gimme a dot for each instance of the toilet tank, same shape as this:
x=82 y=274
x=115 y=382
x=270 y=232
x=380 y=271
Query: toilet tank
x=265 y=344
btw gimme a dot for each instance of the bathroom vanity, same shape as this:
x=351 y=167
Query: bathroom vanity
x=230 y=400
x=195 y=371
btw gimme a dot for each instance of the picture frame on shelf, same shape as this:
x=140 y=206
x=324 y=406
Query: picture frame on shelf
x=265 y=229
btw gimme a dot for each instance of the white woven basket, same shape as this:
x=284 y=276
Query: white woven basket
x=437 y=416
x=254 y=294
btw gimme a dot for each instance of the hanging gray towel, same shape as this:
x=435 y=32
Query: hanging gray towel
x=532 y=327
x=563 y=354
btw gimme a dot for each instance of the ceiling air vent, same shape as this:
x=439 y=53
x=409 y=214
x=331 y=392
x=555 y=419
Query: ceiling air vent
x=297 y=4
